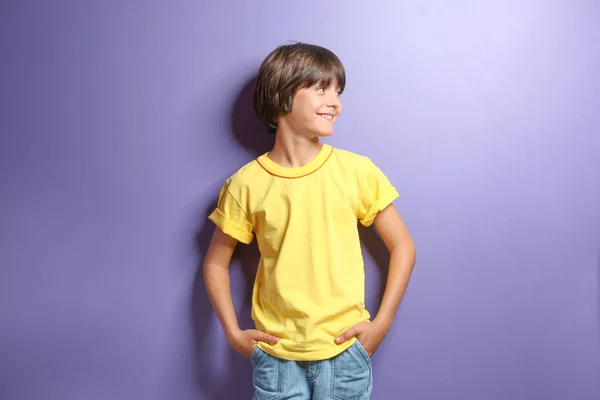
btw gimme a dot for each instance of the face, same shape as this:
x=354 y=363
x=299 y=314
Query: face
x=314 y=111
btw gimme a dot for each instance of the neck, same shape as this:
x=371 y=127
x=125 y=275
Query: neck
x=292 y=150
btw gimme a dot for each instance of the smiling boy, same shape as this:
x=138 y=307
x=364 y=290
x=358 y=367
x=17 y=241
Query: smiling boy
x=303 y=200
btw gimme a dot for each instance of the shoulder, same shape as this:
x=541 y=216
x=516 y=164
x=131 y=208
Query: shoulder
x=358 y=165
x=349 y=159
x=248 y=174
x=349 y=156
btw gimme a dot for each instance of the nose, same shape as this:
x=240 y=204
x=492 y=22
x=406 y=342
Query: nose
x=333 y=99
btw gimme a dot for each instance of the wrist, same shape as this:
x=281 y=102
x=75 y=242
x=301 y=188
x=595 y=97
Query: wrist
x=232 y=334
x=382 y=322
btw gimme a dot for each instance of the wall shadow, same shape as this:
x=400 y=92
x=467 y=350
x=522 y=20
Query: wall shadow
x=236 y=382
x=379 y=253
x=375 y=247
x=246 y=127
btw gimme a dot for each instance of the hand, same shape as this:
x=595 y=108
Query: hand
x=244 y=342
x=369 y=334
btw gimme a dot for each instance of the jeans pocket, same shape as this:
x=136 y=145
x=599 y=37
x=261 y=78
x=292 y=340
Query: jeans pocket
x=363 y=351
x=266 y=375
x=254 y=354
x=351 y=374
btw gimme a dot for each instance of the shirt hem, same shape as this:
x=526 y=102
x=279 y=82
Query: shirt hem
x=312 y=356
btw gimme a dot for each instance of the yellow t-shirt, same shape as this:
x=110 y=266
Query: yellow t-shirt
x=309 y=286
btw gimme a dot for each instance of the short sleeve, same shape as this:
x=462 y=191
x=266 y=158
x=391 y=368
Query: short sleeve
x=231 y=217
x=375 y=193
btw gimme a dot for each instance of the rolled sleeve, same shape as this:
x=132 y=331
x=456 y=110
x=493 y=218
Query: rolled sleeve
x=231 y=217
x=376 y=193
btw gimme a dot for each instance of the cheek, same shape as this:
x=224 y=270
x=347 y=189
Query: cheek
x=302 y=108
x=309 y=112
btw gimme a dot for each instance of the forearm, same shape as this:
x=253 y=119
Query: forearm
x=216 y=278
x=402 y=261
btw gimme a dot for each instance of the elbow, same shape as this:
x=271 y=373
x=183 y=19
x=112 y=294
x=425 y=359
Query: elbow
x=210 y=265
x=406 y=249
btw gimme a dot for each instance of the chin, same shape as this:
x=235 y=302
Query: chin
x=325 y=131
x=322 y=134
x=321 y=130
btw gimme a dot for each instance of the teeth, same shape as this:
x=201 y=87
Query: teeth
x=326 y=116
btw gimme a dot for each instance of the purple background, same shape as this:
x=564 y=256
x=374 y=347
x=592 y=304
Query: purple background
x=120 y=121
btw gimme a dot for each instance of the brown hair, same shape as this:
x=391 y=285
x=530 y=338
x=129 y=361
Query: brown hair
x=289 y=68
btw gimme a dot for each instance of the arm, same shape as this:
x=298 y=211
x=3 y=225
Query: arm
x=216 y=278
x=402 y=259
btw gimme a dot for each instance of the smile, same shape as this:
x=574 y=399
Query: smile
x=328 y=117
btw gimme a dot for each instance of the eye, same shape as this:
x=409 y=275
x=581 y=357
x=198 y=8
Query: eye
x=320 y=89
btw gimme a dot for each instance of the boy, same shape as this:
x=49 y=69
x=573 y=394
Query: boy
x=303 y=199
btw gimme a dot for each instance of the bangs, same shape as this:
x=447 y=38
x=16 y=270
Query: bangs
x=323 y=69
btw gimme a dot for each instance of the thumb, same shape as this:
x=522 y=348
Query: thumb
x=265 y=337
x=350 y=333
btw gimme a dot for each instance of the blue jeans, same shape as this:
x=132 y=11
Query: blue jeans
x=347 y=376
